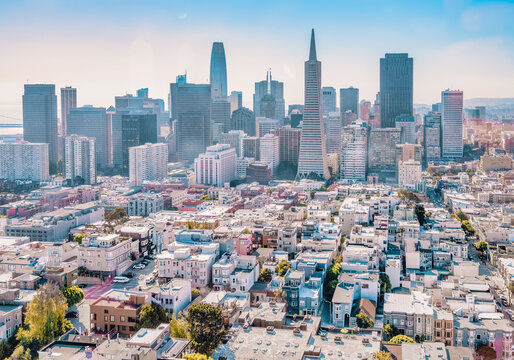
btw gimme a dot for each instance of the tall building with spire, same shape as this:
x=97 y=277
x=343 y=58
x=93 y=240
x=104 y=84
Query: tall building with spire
x=312 y=157
x=218 y=71
x=268 y=96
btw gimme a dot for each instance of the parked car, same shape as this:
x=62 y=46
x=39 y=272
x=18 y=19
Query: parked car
x=149 y=279
x=145 y=262
x=130 y=274
x=139 y=266
x=121 y=279
x=150 y=257
x=82 y=286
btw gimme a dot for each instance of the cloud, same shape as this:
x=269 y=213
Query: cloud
x=487 y=16
x=182 y=16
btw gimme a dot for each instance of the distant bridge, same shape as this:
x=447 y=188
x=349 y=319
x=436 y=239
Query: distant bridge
x=11 y=125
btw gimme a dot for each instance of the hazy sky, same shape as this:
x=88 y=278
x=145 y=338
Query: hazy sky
x=106 y=48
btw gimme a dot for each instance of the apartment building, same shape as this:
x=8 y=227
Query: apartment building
x=108 y=253
x=184 y=264
x=10 y=320
x=174 y=296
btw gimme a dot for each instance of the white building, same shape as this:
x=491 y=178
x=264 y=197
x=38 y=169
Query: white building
x=147 y=162
x=216 y=166
x=174 y=296
x=333 y=128
x=24 y=161
x=409 y=173
x=451 y=123
x=234 y=138
x=108 y=253
x=144 y=204
x=354 y=152
x=79 y=160
x=270 y=151
x=241 y=166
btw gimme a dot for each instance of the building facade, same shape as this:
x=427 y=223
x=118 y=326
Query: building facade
x=24 y=161
x=216 y=166
x=79 y=160
x=147 y=162
x=451 y=124
x=68 y=102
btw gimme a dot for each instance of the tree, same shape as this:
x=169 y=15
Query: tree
x=279 y=295
x=282 y=268
x=265 y=275
x=391 y=331
x=364 y=321
x=46 y=314
x=385 y=284
x=206 y=330
x=73 y=295
x=420 y=213
x=196 y=356
x=398 y=339
x=195 y=292
x=118 y=216
x=481 y=246
x=5 y=349
x=510 y=287
x=331 y=280
x=151 y=316
x=461 y=215
x=78 y=238
x=382 y=355
x=178 y=327
x=468 y=229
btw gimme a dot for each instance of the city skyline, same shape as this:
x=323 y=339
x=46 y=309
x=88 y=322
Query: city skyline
x=448 y=40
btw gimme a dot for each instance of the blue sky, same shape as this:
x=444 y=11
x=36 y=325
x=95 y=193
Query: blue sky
x=107 y=48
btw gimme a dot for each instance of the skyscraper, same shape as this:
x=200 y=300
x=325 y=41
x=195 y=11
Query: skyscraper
x=272 y=92
x=79 y=160
x=236 y=101
x=432 y=137
x=328 y=100
x=354 y=152
x=312 y=157
x=218 y=71
x=92 y=122
x=451 y=122
x=220 y=114
x=192 y=112
x=381 y=153
x=136 y=129
x=68 y=101
x=349 y=100
x=147 y=162
x=270 y=151
x=396 y=82
x=407 y=125
x=289 y=143
x=40 y=118
x=243 y=119
x=24 y=161
x=333 y=126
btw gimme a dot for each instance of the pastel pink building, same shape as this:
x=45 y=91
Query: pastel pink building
x=180 y=263
x=243 y=244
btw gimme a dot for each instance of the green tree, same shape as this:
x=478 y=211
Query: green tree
x=468 y=229
x=265 y=276
x=364 y=321
x=46 y=314
x=481 y=246
x=279 y=295
x=391 y=331
x=178 y=327
x=206 y=330
x=331 y=279
x=116 y=217
x=196 y=356
x=73 y=295
x=5 y=349
x=79 y=237
x=195 y=292
x=398 y=339
x=282 y=268
x=461 y=215
x=151 y=316
x=382 y=355
x=385 y=283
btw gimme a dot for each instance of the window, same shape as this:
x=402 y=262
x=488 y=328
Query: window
x=478 y=337
x=112 y=317
x=122 y=318
x=419 y=320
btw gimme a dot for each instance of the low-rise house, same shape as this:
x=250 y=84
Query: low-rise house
x=174 y=296
x=245 y=274
x=109 y=253
x=10 y=320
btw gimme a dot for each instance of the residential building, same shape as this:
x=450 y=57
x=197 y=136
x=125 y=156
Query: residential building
x=432 y=137
x=145 y=204
x=407 y=126
x=173 y=296
x=353 y=152
x=24 y=161
x=217 y=166
x=409 y=173
x=147 y=162
x=79 y=160
x=333 y=126
x=451 y=124
x=184 y=264
x=108 y=254
x=289 y=143
x=269 y=152
x=68 y=102
x=381 y=153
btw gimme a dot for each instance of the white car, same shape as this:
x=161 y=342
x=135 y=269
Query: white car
x=139 y=266
x=149 y=279
x=121 y=279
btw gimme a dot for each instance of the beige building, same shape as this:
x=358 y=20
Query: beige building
x=106 y=253
x=495 y=162
x=409 y=173
x=10 y=320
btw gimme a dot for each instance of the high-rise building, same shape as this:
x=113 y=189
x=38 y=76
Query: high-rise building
x=353 y=152
x=328 y=100
x=251 y=147
x=243 y=119
x=264 y=125
x=40 y=119
x=451 y=124
x=218 y=71
x=192 y=112
x=374 y=116
x=312 y=157
x=220 y=114
x=233 y=138
x=333 y=127
x=349 y=100
x=92 y=122
x=407 y=125
x=236 y=101
x=381 y=153
x=396 y=83
x=269 y=150
x=136 y=129
x=79 y=160
x=147 y=162
x=296 y=118
x=216 y=166
x=432 y=137
x=272 y=92
x=289 y=143
x=24 y=161
x=142 y=93
x=68 y=101
x=364 y=110
x=409 y=173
